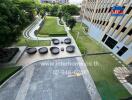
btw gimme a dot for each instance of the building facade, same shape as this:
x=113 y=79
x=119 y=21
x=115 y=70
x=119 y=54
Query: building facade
x=114 y=32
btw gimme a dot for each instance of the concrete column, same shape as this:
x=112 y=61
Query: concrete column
x=125 y=33
x=123 y=24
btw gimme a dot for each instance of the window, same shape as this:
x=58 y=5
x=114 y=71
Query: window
x=99 y=11
x=100 y=22
x=129 y=9
x=104 y=38
x=123 y=30
x=103 y=22
x=118 y=27
x=110 y=9
x=106 y=10
x=102 y=10
x=97 y=21
x=110 y=43
x=107 y=23
x=122 y=51
x=113 y=25
x=130 y=32
x=96 y=10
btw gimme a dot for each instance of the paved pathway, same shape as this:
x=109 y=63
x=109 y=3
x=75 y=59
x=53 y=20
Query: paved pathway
x=42 y=81
x=47 y=80
x=28 y=59
x=29 y=31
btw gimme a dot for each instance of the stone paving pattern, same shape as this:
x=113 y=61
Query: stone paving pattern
x=47 y=80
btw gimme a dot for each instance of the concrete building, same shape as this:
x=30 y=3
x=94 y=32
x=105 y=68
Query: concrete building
x=114 y=32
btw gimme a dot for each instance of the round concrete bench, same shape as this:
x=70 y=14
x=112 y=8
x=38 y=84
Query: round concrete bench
x=67 y=41
x=43 y=50
x=55 y=41
x=70 y=49
x=31 y=50
x=54 y=50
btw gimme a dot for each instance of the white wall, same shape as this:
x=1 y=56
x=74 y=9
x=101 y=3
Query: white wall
x=97 y=34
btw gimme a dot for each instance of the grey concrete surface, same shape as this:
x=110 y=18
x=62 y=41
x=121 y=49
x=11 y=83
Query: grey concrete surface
x=58 y=79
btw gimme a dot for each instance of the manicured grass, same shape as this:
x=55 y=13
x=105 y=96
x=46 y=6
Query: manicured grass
x=51 y=28
x=5 y=73
x=84 y=42
x=100 y=67
x=32 y=43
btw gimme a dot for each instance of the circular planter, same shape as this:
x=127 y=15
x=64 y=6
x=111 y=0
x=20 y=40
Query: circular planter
x=54 y=50
x=70 y=49
x=67 y=41
x=55 y=41
x=31 y=50
x=43 y=50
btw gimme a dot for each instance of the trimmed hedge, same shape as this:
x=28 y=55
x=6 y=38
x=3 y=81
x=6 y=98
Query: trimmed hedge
x=9 y=72
x=57 y=35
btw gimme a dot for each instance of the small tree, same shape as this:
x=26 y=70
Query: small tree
x=71 y=23
x=60 y=14
x=66 y=17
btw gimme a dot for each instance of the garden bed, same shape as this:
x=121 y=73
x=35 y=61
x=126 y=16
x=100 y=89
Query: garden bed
x=51 y=28
x=8 y=54
x=32 y=43
x=6 y=73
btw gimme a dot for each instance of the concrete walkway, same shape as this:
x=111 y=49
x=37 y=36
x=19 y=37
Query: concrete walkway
x=29 y=34
x=29 y=31
x=48 y=80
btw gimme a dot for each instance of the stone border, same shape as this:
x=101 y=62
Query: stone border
x=121 y=73
x=11 y=77
x=91 y=87
x=58 y=22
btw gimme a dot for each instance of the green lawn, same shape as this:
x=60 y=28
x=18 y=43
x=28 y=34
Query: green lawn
x=51 y=28
x=32 y=43
x=5 y=73
x=100 y=66
x=84 y=42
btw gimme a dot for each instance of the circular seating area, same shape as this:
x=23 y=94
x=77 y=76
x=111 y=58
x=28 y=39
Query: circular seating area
x=54 y=50
x=43 y=50
x=31 y=50
x=70 y=49
x=55 y=41
x=67 y=41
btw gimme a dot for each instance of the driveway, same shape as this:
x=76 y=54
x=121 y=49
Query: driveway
x=58 y=79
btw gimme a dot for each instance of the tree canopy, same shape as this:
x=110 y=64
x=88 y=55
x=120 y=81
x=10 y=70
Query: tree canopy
x=13 y=18
x=54 y=9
